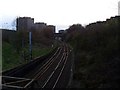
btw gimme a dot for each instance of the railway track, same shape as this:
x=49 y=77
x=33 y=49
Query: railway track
x=45 y=72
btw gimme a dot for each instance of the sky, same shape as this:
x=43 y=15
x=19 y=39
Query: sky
x=61 y=13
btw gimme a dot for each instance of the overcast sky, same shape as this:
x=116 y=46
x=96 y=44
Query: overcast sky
x=58 y=12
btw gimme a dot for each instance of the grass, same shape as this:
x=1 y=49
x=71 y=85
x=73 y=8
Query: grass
x=40 y=51
x=11 y=59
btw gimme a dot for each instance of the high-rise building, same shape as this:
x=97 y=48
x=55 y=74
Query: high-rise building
x=40 y=25
x=25 y=23
x=119 y=8
x=51 y=28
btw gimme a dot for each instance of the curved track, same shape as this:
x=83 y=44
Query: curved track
x=46 y=72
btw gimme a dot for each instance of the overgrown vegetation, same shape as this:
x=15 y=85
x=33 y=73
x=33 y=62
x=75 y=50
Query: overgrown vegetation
x=12 y=59
x=96 y=50
x=15 y=50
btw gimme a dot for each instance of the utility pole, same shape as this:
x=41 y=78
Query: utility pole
x=30 y=45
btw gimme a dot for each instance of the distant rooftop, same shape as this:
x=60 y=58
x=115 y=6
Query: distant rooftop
x=40 y=23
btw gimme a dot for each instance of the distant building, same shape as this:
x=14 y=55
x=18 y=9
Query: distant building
x=119 y=8
x=40 y=25
x=51 y=28
x=58 y=36
x=8 y=35
x=61 y=31
x=25 y=23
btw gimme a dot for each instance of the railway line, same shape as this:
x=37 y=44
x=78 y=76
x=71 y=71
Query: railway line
x=51 y=71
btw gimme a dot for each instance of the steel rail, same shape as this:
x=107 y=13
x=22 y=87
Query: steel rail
x=47 y=67
x=40 y=72
x=10 y=86
x=44 y=68
x=16 y=77
x=23 y=78
x=53 y=71
x=15 y=82
x=15 y=70
x=62 y=59
x=35 y=73
x=61 y=71
x=47 y=63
